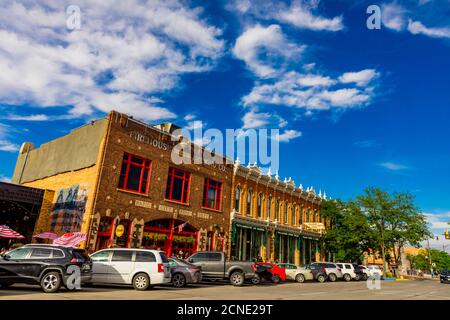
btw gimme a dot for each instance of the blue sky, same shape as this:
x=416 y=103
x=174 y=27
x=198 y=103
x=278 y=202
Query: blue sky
x=355 y=107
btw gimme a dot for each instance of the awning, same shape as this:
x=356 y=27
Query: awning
x=244 y=226
x=288 y=234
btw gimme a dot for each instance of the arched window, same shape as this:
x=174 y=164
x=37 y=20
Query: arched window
x=269 y=208
x=277 y=209
x=300 y=215
x=237 y=200
x=260 y=202
x=293 y=214
x=285 y=212
x=249 y=202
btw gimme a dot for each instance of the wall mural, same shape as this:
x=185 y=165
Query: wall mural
x=68 y=210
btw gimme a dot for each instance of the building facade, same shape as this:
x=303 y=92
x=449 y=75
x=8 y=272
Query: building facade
x=274 y=220
x=114 y=179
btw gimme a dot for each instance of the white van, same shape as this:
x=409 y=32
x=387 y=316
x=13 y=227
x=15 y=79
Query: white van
x=140 y=267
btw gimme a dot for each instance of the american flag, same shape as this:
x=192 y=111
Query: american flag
x=7 y=232
x=181 y=226
x=70 y=239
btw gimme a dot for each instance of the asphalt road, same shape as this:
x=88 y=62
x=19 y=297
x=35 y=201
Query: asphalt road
x=389 y=290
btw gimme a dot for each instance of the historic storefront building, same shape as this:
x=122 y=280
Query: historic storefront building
x=274 y=220
x=114 y=179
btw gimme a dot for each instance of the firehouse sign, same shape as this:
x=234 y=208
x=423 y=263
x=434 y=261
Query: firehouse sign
x=120 y=229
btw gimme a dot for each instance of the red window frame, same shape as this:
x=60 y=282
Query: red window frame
x=185 y=188
x=146 y=164
x=217 y=186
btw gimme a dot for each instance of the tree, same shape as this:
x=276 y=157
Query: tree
x=422 y=262
x=394 y=220
x=349 y=235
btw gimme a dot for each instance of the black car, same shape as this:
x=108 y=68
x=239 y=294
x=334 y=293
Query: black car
x=318 y=271
x=46 y=265
x=445 y=276
x=360 y=275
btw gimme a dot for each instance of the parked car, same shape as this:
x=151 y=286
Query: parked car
x=445 y=276
x=43 y=264
x=374 y=270
x=365 y=271
x=333 y=272
x=216 y=267
x=351 y=271
x=141 y=268
x=183 y=272
x=319 y=272
x=297 y=273
x=270 y=272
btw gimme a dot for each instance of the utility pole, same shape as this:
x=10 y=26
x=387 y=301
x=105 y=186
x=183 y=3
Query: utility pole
x=429 y=257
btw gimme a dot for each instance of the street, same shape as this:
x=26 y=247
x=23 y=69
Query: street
x=390 y=290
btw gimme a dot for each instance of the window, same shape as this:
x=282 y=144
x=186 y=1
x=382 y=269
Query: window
x=285 y=212
x=237 y=200
x=101 y=256
x=142 y=256
x=212 y=195
x=293 y=214
x=214 y=257
x=249 y=202
x=300 y=215
x=260 y=201
x=43 y=253
x=134 y=175
x=20 y=253
x=163 y=257
x=178 y=185
x=269 y=207
x=58 y=254
x=122 y=255
x=198 y=257
x=277 y=209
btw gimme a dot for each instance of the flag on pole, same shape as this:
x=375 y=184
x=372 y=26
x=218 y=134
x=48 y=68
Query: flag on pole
x=181 y=226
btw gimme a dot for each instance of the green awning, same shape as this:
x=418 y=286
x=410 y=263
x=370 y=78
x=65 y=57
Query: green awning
x=249 y=227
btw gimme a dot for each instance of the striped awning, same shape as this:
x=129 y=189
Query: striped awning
x=7 y=232
x=70 y=239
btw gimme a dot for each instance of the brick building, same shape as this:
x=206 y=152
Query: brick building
x=115 y=181
x=274 y=219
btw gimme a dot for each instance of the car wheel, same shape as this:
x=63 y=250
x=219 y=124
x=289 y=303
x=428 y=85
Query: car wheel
x=365 y=277
x=178 y=280
x=237 y=278
x=51 y=282
x=332 y=277
x=276 y=279
x=347 y=277
x=141 y=281
x=321 y=278
x=256 y=280
x=357 y=277
x=300 y=278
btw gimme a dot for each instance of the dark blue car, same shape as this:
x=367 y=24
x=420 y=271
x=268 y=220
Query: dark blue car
x=445 y=276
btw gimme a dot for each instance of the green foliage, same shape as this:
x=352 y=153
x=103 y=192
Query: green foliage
x=422 y=261
x=375 y=220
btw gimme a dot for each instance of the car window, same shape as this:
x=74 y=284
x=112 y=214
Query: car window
x=201 y=256
x=214 y=256
x=101 y=256
x=347 y=266
x=330 y=265
x=40 y=253
x=122 y=255
x=143 y=256
x=163 y=257
x=20 y=253
x=339 y=265
x=57 y=254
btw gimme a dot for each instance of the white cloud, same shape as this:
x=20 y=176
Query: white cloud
x=290 y=90
x=124 y=53
x=300 y=16
x=33 y=117
x=361 y=78
x=4 y=178
x=438 y=221
x=253 y=119
x=393 y=16
x=5 y=144
x=416 y=27
x=288 y=135
x=393 y=166
x=265 y=49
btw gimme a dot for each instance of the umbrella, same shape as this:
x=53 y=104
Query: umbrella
x=7 y=232
x=70 y=239
x=47 y=235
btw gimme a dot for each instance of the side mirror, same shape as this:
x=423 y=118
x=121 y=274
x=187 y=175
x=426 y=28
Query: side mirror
x=190 y=260
x=6 y=257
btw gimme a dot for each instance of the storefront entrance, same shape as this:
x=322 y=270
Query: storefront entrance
x=175 y=237
x=247 y=242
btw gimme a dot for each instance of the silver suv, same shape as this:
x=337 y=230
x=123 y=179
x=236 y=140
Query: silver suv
x=332 y=270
